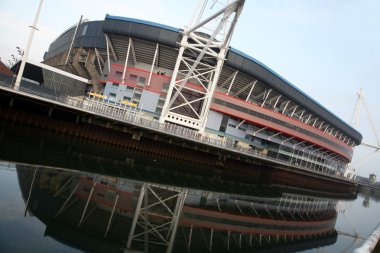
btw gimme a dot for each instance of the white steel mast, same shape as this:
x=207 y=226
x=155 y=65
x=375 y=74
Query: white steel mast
x=202 y=52
x=26 y=53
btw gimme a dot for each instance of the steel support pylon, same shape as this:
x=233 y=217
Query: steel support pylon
x=156 y=204
x=202 y=52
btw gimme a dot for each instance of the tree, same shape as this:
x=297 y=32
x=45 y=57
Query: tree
x=15 y=58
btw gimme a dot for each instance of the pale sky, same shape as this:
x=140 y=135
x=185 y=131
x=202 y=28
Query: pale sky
x=327 y=48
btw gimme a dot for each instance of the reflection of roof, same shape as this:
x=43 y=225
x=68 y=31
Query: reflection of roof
x=226 y=218
x=90 y=234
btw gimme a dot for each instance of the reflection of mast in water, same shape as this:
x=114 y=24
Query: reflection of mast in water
x=94 y=212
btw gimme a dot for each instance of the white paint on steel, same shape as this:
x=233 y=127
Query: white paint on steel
x=188 y=104
x=73 y=39
x=153 y=64
x=126 y=60
x=27 y=49
x=58 y=71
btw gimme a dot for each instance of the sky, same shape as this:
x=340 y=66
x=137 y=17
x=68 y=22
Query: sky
x=327 y=48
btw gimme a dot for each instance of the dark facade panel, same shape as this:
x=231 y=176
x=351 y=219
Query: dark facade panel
x=145 y=30
x=89 y=35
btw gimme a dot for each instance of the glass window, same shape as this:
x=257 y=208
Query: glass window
x=115 y=85
x=118 y=73
x=112 y=96
x=158 y=110
x=127 y=98
x=132 y=77
x=141 y=80
x=165 y=87
x=129 y=88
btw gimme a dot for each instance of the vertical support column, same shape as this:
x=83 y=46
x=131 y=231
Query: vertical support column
x=108 y=54
x=190 y=235
x=113 y=211
x=181 y=200
x=207 y=104
x=73 y=39
x=126 y=60
x=30 y=190
x=211 y=237
x=136 y=215
x=99 y=59
x=63 y=187
x=85 y=208
x=172 y=80
x=203 y=65
x=228 y=239
x=278 y=99
x=266 y=97
x=232 y=82
x=294 y=110
x=151 y=69
x=250 y=91
x=67 y=200
x=286 y=105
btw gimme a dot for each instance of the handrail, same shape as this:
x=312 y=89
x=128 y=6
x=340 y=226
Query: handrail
x=133 y=115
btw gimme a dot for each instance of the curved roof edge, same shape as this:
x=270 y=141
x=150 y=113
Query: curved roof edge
x=146 y=30
x=294 y=92
x=144 y=22
x=168 y=35
x=357 y=134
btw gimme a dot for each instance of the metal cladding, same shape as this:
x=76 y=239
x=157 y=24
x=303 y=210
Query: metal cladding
x=90 y=34
x=162 y=34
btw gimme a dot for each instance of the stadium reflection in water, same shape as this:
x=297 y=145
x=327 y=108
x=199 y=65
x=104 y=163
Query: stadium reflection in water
x=98 y=198
x=95 y=212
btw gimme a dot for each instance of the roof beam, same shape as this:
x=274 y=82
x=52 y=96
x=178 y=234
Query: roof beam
x=250 y=91
x=133 y=52
x=244 y=88
x=278 y=99
x=111 y=47
x=266 y=97
x=232 y=79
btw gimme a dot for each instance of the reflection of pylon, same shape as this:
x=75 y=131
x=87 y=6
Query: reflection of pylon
x=355 y=122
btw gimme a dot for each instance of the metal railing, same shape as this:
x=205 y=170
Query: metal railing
x=134 y=116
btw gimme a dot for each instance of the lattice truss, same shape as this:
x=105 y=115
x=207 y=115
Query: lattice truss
x=200 y=59
x=156 y=217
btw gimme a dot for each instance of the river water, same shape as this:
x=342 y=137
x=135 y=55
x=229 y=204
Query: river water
x=68 y=195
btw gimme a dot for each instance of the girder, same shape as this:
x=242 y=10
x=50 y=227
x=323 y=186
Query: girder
x=198 y=66
x=155 y=201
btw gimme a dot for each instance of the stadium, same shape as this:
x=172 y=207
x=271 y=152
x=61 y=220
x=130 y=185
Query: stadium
x=131 y=62
x=93 y=212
